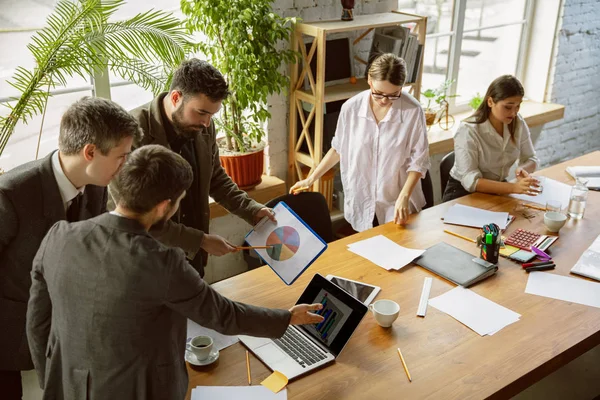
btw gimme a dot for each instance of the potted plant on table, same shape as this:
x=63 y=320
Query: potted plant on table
x=80 y=39
x=247 y=42
x=437 y=97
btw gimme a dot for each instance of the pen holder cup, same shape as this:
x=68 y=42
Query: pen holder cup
x=490 y=252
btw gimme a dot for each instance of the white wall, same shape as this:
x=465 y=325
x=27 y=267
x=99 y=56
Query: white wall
x=575 y=83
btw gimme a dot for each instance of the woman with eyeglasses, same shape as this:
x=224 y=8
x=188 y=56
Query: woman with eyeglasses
x=488 y=143
x=381 y=144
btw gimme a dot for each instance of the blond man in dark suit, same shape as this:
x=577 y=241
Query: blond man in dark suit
x=95 y=138
x=109 y=303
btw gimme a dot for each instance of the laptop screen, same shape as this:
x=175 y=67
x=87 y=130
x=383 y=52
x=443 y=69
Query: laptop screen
x=341 y=312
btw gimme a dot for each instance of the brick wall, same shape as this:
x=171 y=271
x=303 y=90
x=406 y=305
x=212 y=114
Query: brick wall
x=309 y=10
x=575 y=82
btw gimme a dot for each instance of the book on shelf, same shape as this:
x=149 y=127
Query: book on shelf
x=400 y=41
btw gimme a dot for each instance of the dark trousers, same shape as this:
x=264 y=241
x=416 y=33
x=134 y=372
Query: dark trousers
x=454 y=190
x=11 y=387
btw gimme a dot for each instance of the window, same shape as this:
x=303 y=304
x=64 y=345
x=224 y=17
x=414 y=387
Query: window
x=472 y=42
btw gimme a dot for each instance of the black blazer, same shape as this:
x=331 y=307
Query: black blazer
x=30 y=203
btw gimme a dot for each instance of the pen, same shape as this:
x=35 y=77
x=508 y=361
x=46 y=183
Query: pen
x=534 y=207
x=536 y=263
x=404 y=365
x=540 y=268
x=248 y=367
x=540 y=264
x=252 y=247
x=460 y=236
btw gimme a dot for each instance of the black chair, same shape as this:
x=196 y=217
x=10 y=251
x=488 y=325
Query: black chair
x=312 y=208
x=427 y=190
x=445 y=167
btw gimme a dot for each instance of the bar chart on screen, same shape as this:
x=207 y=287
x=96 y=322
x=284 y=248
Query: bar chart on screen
x=334 y=312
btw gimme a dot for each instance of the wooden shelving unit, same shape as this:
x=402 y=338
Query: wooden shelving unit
x=318 y=94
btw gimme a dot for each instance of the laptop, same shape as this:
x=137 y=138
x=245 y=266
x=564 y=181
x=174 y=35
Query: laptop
x=304 y=348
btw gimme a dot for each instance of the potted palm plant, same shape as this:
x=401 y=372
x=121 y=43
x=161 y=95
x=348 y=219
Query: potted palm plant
x=436 y=97
x=80 y=39
x=247 y=42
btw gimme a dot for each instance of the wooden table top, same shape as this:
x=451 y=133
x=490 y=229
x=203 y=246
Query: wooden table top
x=445 y=358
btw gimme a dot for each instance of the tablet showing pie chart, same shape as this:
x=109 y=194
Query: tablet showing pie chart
x=285 y=241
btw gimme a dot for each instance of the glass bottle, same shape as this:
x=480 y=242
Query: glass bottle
x=578 y=198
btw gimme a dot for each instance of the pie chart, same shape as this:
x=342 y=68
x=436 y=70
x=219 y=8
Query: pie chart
x=285 y=241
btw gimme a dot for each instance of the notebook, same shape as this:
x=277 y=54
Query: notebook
x=304 y=348
x=588 y=264
x=456 y=265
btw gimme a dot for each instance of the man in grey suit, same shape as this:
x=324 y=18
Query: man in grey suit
x=109 y=304
x=95 y=137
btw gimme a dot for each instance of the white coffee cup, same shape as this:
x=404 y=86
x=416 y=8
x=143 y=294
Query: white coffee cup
x=201 y=346
x=385 y=312
x=554 y=221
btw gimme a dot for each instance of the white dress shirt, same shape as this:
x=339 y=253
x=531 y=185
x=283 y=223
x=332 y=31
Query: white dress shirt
x=67 y=191
x=480 y=152
x=375 y=159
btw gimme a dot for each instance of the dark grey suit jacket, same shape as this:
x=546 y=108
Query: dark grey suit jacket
x=30 y=203
x=108 y=311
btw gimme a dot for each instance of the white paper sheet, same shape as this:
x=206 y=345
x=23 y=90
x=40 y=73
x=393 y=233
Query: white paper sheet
x=220 y=341
x=478 y=313
x=564 y=288
x=589 y=262
x=475 y=217
x=553 y=190
x=584 y=171
x=257 y=392
x=385 y=253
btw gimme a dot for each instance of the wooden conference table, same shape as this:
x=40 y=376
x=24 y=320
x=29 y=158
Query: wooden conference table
x=445 y=358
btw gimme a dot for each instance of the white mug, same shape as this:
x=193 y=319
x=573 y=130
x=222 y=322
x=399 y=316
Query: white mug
x=385 y=312
x=201 y=346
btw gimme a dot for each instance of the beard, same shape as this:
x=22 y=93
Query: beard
x=181 y=128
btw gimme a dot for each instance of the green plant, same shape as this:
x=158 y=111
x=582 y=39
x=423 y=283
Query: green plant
x=80 y=40
x=247 y=42
x=475 y=101
x=438 y=95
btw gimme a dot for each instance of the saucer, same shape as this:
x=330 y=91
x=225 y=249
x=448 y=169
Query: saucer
x=191 y=358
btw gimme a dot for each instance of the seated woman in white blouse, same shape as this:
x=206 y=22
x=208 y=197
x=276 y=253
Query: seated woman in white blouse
x=489 y=142
x=381 y=144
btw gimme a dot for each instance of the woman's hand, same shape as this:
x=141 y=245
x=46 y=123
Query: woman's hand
x=304 y=184
x=521 y=173
x=401 y=210
x=528 y=185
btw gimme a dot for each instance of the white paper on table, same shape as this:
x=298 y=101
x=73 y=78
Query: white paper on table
x=220 y=341
x=384 y=252
x=553 y=190
x=475 y=217
x=476 y=312
x=584 y=171
x=564 y=288
x=257 y=392
x=589 y=262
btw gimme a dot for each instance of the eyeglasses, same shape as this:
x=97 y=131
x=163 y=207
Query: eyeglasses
x=380 y=96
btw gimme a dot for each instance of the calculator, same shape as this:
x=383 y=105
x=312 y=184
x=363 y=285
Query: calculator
x=525 y=239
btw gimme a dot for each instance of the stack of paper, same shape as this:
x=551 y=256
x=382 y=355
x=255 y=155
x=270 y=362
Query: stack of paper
x=589 y=262
x=236 y=392
x=475 y=217
x=564 y=288
x=220 y=341
x=553 y=190
x=385 y=253
x=584 y=172
x=478 y=313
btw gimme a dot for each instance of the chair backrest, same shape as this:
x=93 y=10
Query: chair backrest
x=312 y=208
x=427 y=190
x=445 y=166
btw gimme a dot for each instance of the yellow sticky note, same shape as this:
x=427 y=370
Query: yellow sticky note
x=508 y=250
x=275 y=382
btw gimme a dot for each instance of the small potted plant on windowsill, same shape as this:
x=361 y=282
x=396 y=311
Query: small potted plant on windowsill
x=436 y=97
x=247 y=42
x=475 y=101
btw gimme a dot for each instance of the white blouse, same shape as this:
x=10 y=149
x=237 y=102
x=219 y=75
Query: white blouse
x=375 y=159
x=480 y=152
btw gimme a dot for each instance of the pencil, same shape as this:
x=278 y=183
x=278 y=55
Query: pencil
x=534 y=207
x=253 y=247
x=248 y=367
x=460 y=236
x=299 y=190
x=404 y=365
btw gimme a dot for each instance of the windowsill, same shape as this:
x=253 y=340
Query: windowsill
x=534 y=114
x=270 y=188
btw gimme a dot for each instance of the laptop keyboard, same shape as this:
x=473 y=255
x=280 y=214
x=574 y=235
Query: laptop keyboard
x=299 y=348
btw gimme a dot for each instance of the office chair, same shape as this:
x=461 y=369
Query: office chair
x=312 y=208
x=445 y=166
x=427 y=190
